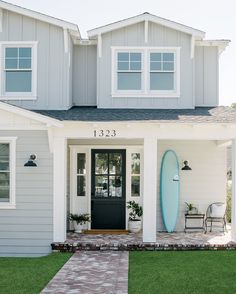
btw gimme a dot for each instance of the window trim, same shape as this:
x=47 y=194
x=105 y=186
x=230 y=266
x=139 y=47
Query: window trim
x=19 y=95
x=12 y=197
x=145 y=90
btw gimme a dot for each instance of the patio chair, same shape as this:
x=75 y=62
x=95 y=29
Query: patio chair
x=216 y=214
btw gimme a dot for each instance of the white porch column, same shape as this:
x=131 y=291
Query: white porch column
x=59 y=189
x=150 y=189
x=233 y=196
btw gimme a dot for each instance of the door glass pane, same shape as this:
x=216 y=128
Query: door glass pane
x=81 y=160
x=129 y=81
x=81 y=184
x=115 y=163
x=101 y=186
x=4 y=157
x=115 y=186
x=18 y=81
x=135 y=186
x=135 y=163
x=162 y=81
x=101 y=163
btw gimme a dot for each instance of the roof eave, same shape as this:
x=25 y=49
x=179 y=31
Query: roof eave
x=39 y=16
x=31 y=115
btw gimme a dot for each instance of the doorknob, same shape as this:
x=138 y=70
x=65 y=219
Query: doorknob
x=176 y=178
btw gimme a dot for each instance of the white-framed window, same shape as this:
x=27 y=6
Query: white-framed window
x=135 y=174
x=7 y=172
x=145 y=71
x=19 y=70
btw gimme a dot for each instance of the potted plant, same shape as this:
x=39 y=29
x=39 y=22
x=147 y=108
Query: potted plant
x=191 y=209
x=79 y=220
x=135 y=214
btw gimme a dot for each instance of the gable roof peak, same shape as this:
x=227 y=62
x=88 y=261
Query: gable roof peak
x=146 y=16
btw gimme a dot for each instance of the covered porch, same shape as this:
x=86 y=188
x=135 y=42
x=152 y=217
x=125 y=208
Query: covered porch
x=203 y=144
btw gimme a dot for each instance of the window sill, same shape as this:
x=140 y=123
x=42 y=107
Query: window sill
x=18 y=97
x=7 y=206
x=149 y=95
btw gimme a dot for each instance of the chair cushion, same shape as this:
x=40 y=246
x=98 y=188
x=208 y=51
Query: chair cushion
x=217 y=210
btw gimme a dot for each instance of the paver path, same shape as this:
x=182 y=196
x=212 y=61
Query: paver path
x=90 y=272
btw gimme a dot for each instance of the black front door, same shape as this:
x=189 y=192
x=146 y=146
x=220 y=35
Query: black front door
x=108 y=189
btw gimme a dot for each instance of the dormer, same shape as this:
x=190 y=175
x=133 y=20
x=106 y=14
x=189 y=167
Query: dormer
x=150 y=62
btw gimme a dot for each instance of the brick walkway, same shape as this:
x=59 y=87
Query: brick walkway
x=92 y=273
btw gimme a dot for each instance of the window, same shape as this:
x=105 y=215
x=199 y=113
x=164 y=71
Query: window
x=19 y=71
x=81 y=174
x=135 y=174
x=7 y=172
x=129 y=71
x=162 y=69
x=145 y=72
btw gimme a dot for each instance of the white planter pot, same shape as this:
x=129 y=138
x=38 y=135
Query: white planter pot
x=135 y=226
x=78 y=228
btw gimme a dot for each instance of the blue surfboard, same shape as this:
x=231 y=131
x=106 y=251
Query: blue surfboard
x=169 y=189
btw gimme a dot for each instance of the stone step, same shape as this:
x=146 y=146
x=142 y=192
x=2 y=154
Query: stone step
x=74 y=247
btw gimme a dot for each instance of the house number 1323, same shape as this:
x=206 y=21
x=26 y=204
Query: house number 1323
x=104 y=133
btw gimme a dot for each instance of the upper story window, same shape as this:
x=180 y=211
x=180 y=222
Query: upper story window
x=19 y=74
x=7 y=172
x=129 y=71
x=145 y=72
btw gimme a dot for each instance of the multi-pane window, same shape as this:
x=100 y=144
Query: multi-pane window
x=162 y=69
x=18 y=69
x=146 y=72
x=129 y=71
x=81 y=174
x=135 y=174
x=4 y=172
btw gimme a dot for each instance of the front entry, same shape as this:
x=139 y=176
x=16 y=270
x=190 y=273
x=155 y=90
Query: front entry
x=108 y=189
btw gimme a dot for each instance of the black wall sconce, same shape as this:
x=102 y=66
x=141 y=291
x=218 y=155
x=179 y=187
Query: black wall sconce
x=186 y=165
x=30 y=162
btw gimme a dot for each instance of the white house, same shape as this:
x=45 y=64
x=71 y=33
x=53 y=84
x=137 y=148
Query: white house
x=99 y=114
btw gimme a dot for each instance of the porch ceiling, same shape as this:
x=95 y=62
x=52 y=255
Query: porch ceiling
x=219 y=114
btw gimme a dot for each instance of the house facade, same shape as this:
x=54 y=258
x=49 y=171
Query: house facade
x=84 y=124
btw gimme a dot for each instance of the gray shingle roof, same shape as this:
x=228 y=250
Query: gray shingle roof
x=219 y=114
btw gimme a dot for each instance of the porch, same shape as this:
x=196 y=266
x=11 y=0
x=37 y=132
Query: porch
x=215 y=240
x=203 y=145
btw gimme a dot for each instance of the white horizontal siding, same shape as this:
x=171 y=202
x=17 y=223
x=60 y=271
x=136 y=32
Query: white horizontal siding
x=33 y=217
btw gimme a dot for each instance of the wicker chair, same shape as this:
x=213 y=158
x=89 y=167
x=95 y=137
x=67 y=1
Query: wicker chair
x=216 y=214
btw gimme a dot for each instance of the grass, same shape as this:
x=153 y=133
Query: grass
x=195 y=272
x=29 y=275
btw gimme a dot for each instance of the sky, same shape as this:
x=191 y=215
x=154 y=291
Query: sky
x=216 y=17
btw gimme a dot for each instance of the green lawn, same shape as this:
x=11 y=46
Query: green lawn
x=209 y=272
x=29 y=275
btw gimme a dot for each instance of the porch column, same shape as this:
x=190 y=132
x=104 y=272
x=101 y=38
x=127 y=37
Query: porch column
x=150 y=189
x=233 y=196
x=59 y=189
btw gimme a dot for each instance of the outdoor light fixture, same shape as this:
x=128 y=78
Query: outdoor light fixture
x=30 y=162
x=186 y=165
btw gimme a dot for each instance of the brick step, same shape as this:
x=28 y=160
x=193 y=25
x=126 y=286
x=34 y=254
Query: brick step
x=74 y=247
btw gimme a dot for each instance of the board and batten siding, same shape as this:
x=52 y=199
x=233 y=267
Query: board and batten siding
x=85 y=75
x=28 y=229
x=204 y=184
x=53 y=64
x=206 y=76
x=158 y=36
